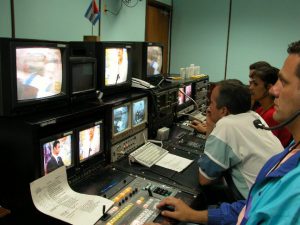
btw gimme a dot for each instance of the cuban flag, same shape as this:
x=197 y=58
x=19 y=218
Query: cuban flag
x=92 y=13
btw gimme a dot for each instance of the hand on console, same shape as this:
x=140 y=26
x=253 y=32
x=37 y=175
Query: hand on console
x=201 y=127
x=175 y=208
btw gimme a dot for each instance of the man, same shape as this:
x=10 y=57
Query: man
x=234 y=146
x=274 y=197
x=55 y=160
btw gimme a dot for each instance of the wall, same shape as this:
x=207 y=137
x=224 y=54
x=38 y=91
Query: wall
x=5 y=19
x=199 y=32
x=64 y=20
x=260 y=30
x=127 y=25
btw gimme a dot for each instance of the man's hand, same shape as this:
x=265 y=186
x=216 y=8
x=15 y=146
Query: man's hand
x=201 y=127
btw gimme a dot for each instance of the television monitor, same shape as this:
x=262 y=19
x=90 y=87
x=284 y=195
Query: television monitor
x=188 y=92
x=57 y=150
x=33 y=75
x=139 y=112
x=121 y=119
x=148 y=61
x=114 y=66
x=90 y=141
x=83 y=84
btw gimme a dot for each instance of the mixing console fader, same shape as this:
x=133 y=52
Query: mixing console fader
x=136 y=203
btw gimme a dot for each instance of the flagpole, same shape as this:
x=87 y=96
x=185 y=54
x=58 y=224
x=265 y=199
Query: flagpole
x=92 y=29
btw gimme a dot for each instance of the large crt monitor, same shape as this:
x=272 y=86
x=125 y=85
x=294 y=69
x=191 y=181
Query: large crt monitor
x=114 y=66
x=33 y=75
x=148 y=61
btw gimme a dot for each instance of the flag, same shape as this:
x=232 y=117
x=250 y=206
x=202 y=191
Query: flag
x=92 y=13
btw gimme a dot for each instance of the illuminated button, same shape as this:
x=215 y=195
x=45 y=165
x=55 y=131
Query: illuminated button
x=120 y=214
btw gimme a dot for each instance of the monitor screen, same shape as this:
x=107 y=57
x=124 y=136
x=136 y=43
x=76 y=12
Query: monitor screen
x=154 y=60
x=188 y=92
x=83 y=74
x=180 y=96
x=56 y=152
x=139 y=112
x=116 y=66
x=89 y=142
x=39 y=72
x=121 y=119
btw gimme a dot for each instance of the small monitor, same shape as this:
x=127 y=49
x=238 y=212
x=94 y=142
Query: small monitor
x=121 y=118
x=57 y=151
x=154 y=60
x=90 y=141
x=181 y=97
x=139 y=112
x=188 y=92
x=39 y=72
x=116 y=66
x=83 y=78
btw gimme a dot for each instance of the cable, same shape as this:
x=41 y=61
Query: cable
x=258 y=124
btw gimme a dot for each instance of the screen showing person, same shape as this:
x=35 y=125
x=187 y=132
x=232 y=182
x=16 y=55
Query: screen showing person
x=39 y=72
x=57 y=153
x=116 y=66
x=154 y=60
x=180 y=96
x=139 y=112
x=121 y=119
x=188 y=92
x=89 y=142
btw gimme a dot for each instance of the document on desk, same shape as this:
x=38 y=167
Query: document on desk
x=174 y=162
x=53 y=196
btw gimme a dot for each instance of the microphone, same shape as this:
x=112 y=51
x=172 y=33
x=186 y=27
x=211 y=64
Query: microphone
x=258 y=124
x=118 y=77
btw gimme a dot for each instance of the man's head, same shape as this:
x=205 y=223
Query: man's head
x=228 y=97
x=56 y=147
x=287 y=88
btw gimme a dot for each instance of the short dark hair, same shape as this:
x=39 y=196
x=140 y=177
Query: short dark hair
x=234 y=95
x=259 y=64
x=268 y=75
x=294 y=48
x=55 y=143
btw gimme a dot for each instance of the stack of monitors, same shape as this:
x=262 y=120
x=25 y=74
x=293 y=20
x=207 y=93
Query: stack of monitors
x=128 y=116
x=76 y=148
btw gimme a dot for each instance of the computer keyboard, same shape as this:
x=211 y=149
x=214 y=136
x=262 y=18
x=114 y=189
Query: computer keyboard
x=148 y=154
x=196 y=115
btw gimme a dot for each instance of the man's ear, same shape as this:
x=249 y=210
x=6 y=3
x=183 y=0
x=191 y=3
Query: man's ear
x=225 y=111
